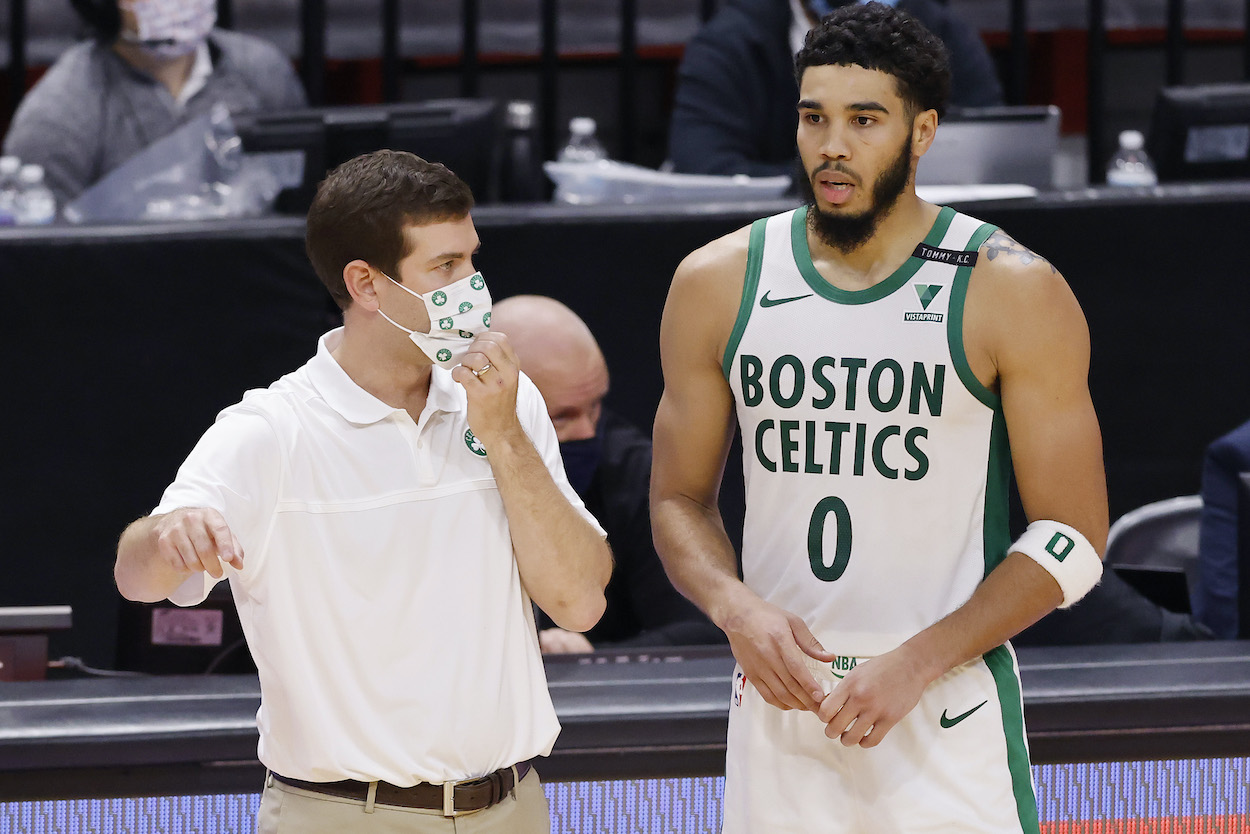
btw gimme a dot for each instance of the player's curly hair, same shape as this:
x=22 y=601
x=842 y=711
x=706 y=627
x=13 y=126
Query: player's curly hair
x=879 y=37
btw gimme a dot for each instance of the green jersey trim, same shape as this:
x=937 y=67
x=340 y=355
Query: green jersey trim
x=750 y=285
x=900 y=276
x=995 y=528
x=955 y=323
x=999 y=662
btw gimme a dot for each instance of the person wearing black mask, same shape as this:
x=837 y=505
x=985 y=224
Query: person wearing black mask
x=608 y=463
x=734 y=109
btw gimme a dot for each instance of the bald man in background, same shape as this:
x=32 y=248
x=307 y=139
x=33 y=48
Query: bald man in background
x=608 y=462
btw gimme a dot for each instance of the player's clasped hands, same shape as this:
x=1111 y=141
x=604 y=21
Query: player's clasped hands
x=871 y=699
x=196 y=539
x=769 y=644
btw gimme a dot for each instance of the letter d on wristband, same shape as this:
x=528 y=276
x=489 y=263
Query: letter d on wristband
x=1065 y=554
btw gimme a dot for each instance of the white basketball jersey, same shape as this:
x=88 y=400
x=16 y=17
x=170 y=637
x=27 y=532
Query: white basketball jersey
x=876 y=464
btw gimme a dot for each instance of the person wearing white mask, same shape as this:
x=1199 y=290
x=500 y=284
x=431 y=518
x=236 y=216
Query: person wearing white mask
x=151 y=66
x=385 y=516
x=734 y=106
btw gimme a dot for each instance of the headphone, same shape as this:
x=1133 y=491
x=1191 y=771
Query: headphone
x=101 y=16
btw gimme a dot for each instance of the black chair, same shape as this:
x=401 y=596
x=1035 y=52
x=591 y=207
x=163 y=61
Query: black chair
x=1155 y=549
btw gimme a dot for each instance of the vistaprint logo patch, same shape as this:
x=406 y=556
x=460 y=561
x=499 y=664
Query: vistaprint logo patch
x=926 y=293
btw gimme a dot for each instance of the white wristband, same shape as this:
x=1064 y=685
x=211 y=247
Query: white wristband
x=1065 y=554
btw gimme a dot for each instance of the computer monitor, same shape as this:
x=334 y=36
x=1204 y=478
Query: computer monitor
x=980 y=145
x=463 y=134
x=1201 y=132
x=299 y=130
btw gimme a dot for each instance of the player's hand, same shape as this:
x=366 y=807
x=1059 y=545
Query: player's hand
x=559 y=641
x=769 y=644
x=872 y=698
x=195 y=539
x=490 y=374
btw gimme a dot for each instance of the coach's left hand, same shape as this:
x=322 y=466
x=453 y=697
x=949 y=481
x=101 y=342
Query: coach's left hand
x=489 y=373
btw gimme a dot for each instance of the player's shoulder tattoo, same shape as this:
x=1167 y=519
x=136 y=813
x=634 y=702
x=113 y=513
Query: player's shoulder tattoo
x=1002 y=245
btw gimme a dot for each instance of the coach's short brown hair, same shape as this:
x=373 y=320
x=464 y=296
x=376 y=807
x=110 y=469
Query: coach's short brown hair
x=363 y=205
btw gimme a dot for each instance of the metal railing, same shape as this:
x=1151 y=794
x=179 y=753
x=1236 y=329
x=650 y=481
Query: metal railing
x=312 y=59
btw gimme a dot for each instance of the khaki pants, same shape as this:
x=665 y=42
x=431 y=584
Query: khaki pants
x=288 y=810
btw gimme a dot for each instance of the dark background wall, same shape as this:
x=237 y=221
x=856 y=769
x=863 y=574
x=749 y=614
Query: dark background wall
x=123 y=344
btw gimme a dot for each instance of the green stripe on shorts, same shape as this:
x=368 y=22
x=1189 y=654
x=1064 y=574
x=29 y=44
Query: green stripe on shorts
x=1003 y=669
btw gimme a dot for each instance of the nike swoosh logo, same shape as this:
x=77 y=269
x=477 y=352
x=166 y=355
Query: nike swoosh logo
x=773 y=302
x=947 y=723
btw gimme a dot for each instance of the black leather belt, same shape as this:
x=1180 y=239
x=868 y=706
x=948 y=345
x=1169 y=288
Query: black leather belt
x=452 y=798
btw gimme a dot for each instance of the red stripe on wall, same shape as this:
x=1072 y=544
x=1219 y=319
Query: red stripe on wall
x=1230 y=824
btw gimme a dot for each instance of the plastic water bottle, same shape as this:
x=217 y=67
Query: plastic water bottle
x=522 y=176
x=583 y=144
x=10 y=188
x=1130 y=165
x=36 y=206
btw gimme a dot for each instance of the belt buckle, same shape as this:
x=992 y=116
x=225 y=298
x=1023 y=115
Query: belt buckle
x=449 y=800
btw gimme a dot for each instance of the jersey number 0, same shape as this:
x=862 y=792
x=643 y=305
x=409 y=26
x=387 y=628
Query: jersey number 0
x=816 y=538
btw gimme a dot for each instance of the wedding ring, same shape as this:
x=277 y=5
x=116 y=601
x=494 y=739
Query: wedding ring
x=478 y=373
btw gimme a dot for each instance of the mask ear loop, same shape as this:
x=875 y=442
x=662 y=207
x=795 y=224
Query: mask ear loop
x=397 y=324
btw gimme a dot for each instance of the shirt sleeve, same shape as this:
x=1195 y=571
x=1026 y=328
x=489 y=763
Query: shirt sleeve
x=58 y=125
x=234 y=469
x=532 y=411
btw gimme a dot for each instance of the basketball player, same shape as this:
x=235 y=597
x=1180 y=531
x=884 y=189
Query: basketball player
x=878 y=352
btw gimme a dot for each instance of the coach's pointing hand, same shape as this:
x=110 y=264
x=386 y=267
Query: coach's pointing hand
x=196 y=539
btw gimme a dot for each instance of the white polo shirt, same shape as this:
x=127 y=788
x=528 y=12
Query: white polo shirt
x=379 y=593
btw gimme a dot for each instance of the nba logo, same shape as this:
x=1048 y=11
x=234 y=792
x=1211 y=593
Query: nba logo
x=740 y=682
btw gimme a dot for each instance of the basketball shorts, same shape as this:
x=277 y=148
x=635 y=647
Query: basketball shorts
x=958 y=762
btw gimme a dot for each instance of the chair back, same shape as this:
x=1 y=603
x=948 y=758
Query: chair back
x=1160 y=537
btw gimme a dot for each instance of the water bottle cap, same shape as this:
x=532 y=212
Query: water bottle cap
x=520 y=114
x=582 y=126
x=30 y=174
x=1132 y=140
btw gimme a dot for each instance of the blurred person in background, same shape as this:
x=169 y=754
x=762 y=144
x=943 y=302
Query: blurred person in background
x=608 y=462
x=1216 y=598
x=150 y=67
x=736 y=91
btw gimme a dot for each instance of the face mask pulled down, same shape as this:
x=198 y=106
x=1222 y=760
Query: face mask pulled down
x=171 y=28
x=458 y=312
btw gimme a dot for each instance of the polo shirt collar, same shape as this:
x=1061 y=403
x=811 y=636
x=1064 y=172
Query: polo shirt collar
x=355 y=404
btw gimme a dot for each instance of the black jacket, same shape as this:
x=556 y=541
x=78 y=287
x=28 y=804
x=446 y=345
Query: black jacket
x=643 y=607
x=734 y=111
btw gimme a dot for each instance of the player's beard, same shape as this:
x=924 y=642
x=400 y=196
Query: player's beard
x=848 y=232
